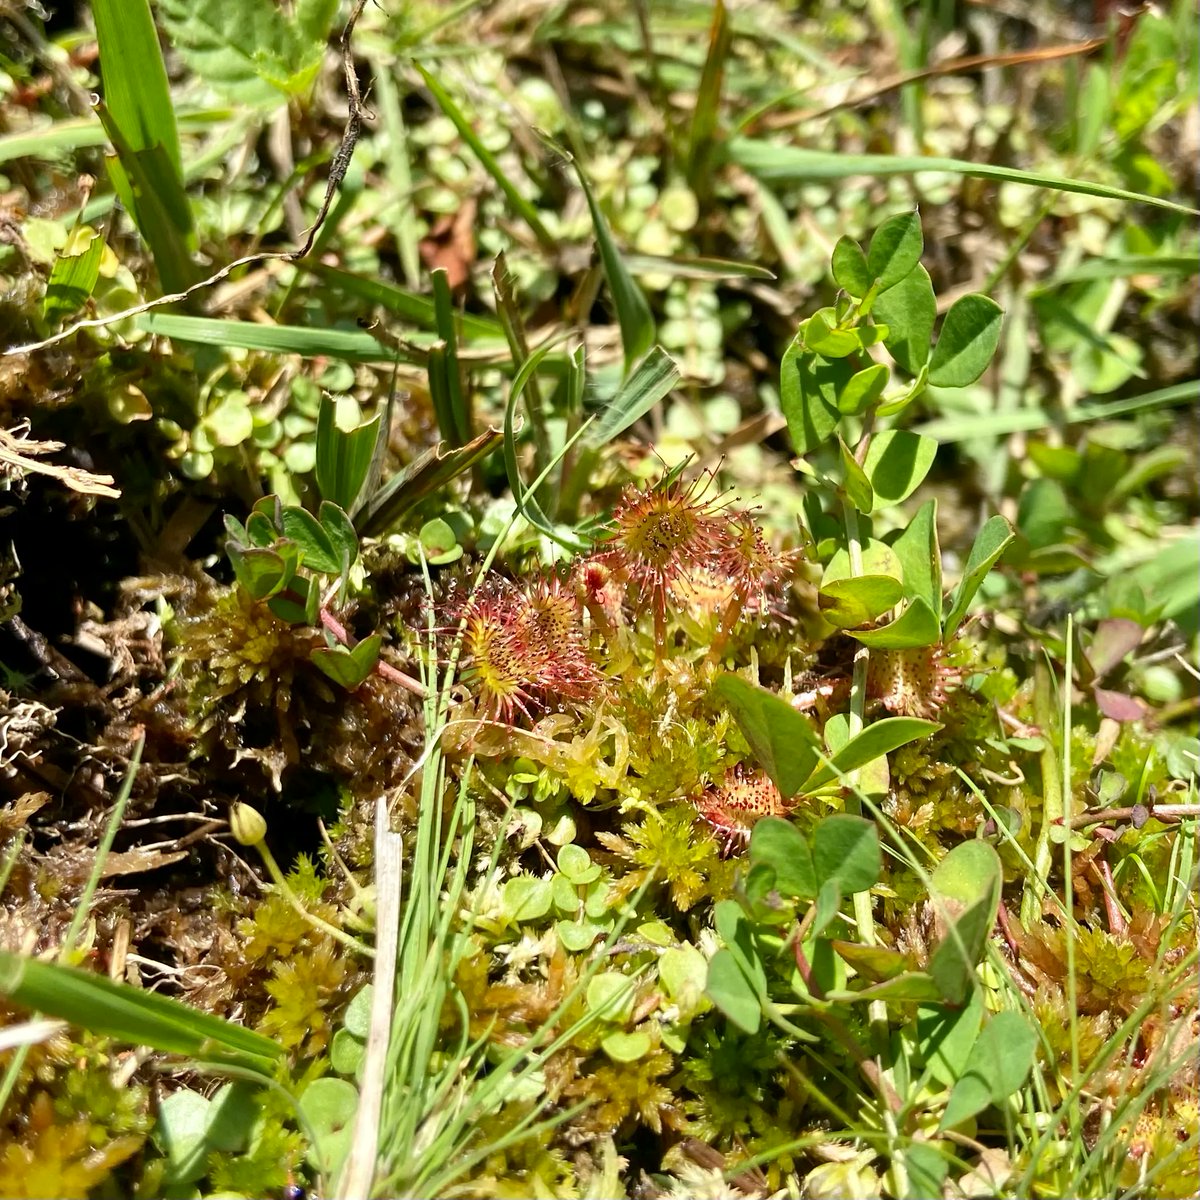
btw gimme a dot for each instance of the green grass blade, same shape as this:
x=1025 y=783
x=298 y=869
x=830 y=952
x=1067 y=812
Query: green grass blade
x=773 y=163
x=84 y=904
x=401 y=302
x=509 y=312
x=708 y=103
x=140 y=121
x=131 y=1014
x=696 y=268
x=1163 y=265
x=526 y=504
x=350 y=345
x=135 y=80
x=51 y=141
x=457 y=430
x=402 y=221
x=521 y=205
x=633 y=312
x=144 y=183
x=963 y=427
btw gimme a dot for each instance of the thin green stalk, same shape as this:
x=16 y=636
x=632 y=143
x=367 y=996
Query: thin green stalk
x=864 y=918
x=83 y=907
x=1036 y=885
x=284 y=889
x=403 y=223
x=1068 y=877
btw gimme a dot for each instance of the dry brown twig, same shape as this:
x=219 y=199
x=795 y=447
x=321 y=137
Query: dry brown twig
x=19 y=453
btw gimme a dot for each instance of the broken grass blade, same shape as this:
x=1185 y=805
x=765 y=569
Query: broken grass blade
x=655 y=376
x=434 y=469
x=633 y=311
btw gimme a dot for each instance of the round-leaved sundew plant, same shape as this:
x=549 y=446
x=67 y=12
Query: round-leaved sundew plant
x=661 y=538
x=526 y=648
x=732 y=809
x=913 y=683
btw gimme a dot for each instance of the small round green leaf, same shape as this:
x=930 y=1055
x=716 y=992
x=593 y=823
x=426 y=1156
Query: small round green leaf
x=682 y=971
x=625 y=1047
x=863 y=390
x=329 y=1105
x=778 y=844
x=439 y=543
x=577 y=936
x=610 y=995
x=576 y=864
x=230 y=423
x=969 y=337
x=850 y=271
x=346 y=1052
x=848 y=603
x=897 y=462
x=357 y=1020
x=895 y=249
x=526 y=898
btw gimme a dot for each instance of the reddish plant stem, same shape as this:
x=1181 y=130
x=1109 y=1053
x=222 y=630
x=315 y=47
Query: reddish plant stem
x=384 y=669
x=1159 y=812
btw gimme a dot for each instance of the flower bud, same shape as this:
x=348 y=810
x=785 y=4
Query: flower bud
x=249 y=826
